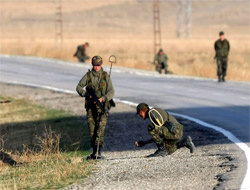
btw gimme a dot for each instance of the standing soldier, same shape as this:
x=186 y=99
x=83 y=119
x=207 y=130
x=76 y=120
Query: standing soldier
x=222 y=48
x=81 y=52
x=165 y=131
x=98 y=93
x=161 y=61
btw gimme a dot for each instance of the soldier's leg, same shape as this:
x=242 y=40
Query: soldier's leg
x=166 y=68
x=156 y=134
x=170 y=146
x=188 y=143
x=219 y=69
x=224 y=69
x=91 y=126
x=101 y=130
x=158 y=68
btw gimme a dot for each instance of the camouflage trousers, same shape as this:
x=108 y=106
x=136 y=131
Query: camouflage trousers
x=221 y=66
x=161 y=135
x=97 y=124
x=161 y=66
x=82 y=59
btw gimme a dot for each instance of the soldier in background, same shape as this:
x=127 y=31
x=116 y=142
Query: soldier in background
x=98 y=80
x=81 y=52
x=222 y=48
x=161 y=61
x=165 y=131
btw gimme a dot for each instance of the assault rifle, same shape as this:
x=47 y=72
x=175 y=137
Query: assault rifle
x=91 y=95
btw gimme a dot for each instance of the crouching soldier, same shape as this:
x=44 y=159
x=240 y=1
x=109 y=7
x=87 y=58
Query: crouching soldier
x=165 y=131
x=97 y=88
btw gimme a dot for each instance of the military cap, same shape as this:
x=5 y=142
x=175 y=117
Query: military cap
x=86 y=43
x=141 y=106
x=221 y=33
x=160 y=50
x=96 y=60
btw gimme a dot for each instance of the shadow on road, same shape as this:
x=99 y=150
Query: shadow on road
x=122 y=130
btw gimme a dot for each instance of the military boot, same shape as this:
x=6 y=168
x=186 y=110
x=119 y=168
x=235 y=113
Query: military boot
x=188 y=143
x=219 y=79
x=93 y=155
x=161 y=151
x=223 y=79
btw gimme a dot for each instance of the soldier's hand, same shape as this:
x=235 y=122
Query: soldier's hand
x=100 y=99
x=140 y=143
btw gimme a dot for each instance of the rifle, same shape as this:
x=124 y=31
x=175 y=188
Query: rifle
x=91 y=95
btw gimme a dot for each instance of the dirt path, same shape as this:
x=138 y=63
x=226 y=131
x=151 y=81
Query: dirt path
x=213 y=165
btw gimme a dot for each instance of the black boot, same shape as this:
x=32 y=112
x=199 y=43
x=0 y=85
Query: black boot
x=223 y=79
x=188 y=143
x=93 y=155
x=161 y=151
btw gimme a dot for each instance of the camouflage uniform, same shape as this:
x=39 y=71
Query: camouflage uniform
x=96 y=119
x=222 y=49
x=163 y=135
x=161 y=62
x=81 y=53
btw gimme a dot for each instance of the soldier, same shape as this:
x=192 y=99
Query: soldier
x=81 y=52
x=222 y=48
x=98 y=80
x=165 y=131
x=161 y=61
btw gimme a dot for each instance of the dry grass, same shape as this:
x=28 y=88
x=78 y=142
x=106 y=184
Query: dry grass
x=44 y=166
x=46 y=169
x=186 y=57
x=124 y=28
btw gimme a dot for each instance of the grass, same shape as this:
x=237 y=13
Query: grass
x=51 y=162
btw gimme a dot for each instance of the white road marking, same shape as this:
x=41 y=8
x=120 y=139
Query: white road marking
x=246 y=182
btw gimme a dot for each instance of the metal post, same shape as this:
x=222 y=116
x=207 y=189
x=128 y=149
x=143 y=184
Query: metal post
x=157 y=26
x=184 y=19
x=58 y=25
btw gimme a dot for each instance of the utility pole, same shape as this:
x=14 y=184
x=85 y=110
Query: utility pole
x=157 y=26
x=58 y=25
x=184 y=19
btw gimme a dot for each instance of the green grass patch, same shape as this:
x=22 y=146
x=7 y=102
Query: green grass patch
x=56 y=143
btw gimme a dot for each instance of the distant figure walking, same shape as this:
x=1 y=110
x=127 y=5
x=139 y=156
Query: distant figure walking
x=81 y=52
x=222 y=48
x=161 y=61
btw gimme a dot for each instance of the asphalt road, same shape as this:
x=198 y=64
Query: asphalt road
x=222 y=104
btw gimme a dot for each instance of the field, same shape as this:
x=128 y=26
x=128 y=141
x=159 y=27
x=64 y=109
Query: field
x=124 y=28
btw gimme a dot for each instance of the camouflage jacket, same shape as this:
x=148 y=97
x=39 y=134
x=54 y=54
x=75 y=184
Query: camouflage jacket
x=98 y=81
x=222 y=48
x=158 y=59
x=80 y=52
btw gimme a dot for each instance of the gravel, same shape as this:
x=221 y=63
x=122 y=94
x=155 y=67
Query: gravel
x=215 y=164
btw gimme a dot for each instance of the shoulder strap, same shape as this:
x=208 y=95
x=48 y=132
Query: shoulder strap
x=88 y=77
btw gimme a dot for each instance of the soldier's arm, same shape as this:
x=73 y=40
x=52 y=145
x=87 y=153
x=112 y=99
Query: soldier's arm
x=80 y=87
x=110 y=91
x=228 y=45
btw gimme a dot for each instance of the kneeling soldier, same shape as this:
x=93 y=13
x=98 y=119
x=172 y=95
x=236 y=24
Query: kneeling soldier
x=98 y=95
x=165 y=131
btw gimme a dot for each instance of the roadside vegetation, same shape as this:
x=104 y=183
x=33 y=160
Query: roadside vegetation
x=54 y=160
